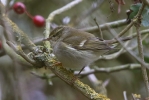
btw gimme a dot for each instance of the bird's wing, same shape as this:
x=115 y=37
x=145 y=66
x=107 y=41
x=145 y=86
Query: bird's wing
x=87 y=43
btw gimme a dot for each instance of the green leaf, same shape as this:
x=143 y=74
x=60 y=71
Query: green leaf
x=134 y=10
x=145 y=14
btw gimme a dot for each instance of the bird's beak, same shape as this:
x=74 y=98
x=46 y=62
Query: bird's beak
x=47 y=39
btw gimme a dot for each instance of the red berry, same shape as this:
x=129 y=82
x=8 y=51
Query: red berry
x=19 y=7
x=39 y=21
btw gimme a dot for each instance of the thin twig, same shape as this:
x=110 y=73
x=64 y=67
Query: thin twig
x=125 y=95
x=109 y=69
x=140 y=11
x=99 y=29
x=140 y=49
x=125 y=29
x=114 y=24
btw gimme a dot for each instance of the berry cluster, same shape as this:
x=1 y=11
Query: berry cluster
x=20 y=8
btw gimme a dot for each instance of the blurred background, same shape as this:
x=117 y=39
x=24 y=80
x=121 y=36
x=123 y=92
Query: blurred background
x=16 y=80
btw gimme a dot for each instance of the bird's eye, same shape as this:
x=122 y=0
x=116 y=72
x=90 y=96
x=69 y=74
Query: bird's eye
x=56 y=32
x=54 y=35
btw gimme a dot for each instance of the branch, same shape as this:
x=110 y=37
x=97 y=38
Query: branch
x=125 y=29
x=140 y=47
x=110 y=69
x=114 y=24
x=144 y=72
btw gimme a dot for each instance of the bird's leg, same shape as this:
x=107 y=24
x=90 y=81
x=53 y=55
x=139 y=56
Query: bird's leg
x=76 y=77
x=80 y=71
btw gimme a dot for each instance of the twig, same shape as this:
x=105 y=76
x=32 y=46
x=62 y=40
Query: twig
x=110 y=69
x=114 y=24
x=125 y=95
x=140 y=49
x=99 y=29
x=125 y=29
x=111 y=7
x=140 y=11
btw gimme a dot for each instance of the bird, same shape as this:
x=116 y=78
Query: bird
x=75 y=48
